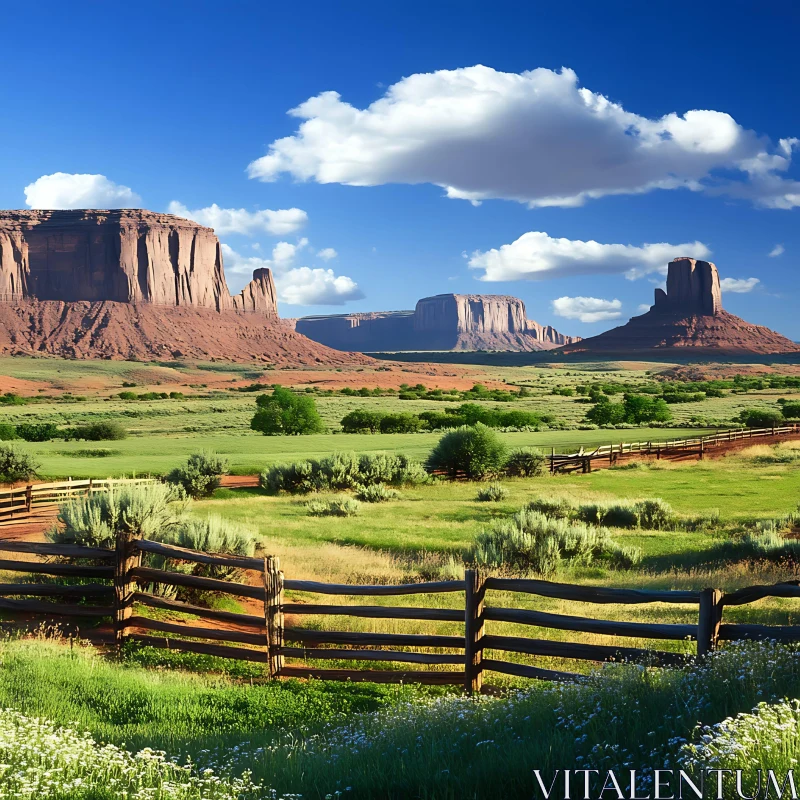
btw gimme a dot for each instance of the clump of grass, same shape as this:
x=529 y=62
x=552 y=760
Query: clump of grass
x=90 y=452
x=493 y=493
x=377 y=493
x=337 y=507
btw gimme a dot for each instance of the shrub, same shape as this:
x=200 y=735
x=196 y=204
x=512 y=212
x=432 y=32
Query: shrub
x=200 y=475
x=7 y=432
x=104 y=431
x=149 y=510
x=295 y=478
x=126 y=395
x=476 y=451
x=286 y=413
x=533 y=541
x=16 y=465
x=761 y=417
x=525 y=463
x=654 y=514
x=606 y=413
x=361 y=420
x=377 y=493
x=492 y=493
x=12 y=399
x=339 y=471
x=400 y=423
x=398 y=470
x=791 y=410
x=556 y=509
x=338 y=507
x=615 y=514
x=37 y=431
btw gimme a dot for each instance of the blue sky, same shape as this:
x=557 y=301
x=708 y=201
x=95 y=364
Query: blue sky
x=576 y=130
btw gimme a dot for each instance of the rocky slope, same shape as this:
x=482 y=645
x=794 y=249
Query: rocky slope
x=442 y=322
x=135 y=284
x=688 y=316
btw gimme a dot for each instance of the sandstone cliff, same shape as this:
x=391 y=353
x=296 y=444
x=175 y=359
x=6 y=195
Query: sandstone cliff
x=442 y=322
x=688 y=316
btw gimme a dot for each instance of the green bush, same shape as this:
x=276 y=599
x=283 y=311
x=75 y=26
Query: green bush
x=200 y=475
x=338 y=507
x=361 y=421
x=16 y=465
x=654 y=514
x=400 y=423
x=560 y=508
x=791 y=410
x=525 y=463
x=377 y=493
x=532 y=541
x=299 y=477
x=613 y=514
x=103 y=431
x=476 y=452
x=12 y=399
x=635 y=409
x=127 y=395
x=493 y=493
x=38 y=431
x=761 y=417
x=7 y=432
x=286 y=413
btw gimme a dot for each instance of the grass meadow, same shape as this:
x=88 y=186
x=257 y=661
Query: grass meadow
x=327 y=740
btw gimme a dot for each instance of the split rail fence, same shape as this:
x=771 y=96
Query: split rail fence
x=41 y=499
x=119 y=588
x=581 y=461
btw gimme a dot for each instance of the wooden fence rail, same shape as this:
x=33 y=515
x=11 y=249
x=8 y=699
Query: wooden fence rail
x=131 y=588
x=38 y=499
x=581 y=461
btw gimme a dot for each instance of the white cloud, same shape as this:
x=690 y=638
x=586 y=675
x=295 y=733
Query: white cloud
x=537 y=256
x=587 y=309
x=316 y=287
x=63 y=190
x=536 y=137
x=776 y=251
x=295 y=285
x=739 y=285
x=643 y=308
x=327 y=253
x=238 y=220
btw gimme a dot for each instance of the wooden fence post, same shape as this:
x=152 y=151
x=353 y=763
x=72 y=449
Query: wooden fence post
x=127 y=558
x=273 y=613
x=28 y=498
x=473 y=631
x=709 y=620
x=552 y=460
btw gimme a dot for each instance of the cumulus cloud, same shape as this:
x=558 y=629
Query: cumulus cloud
x=296 y=285
x=739 y=285
x=238 y=220
x=63 y=190
x=327 y=253
x=643 y=308
x=587 y=309
x=776 y=251
x=316 y=287
x=537 y=256
x=536 y=137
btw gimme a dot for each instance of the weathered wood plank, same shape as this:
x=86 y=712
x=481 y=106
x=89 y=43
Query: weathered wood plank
x=221 y=651
x=370 y=655
x=148 y=575
x=643 y=630
x=71 y=570
x=377 y=612
x=789 y=589
x=50 y=549
x=87 y=590
x=378 y=639
x=182 y=553
x=58 y=609
x=218 y=634
x=524 y=671
x=590 y=594
x=780 y=633
x=249 y=620
x=433 y=587
x=443 y=678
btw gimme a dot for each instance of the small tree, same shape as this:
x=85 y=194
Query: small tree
x=103 y=431
x=361 y=420
x=640 y=408
x=200 y=475
x=606 y=413
x=761 y=417
x=16 y=465
x=400 y=423
x=476 y=451
x=284 y=413
x=38 y=431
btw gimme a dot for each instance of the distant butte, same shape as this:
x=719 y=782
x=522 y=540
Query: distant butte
x=459 y=322
x=136 y=284
x=688 y=316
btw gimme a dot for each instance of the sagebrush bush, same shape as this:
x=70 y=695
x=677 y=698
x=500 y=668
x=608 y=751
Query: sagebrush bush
x=492 y=493
x=16 y=465
x=654 y=514
x=200 y=475
x=477 y=452
x=337 y=507
x=531 y=541
x=343 y=471
x=559 y=508
x=525 y=463
x=377 y=493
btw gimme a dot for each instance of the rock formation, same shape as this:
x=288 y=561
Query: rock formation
x=135 y=284
x=442 y=322
x=689 y=315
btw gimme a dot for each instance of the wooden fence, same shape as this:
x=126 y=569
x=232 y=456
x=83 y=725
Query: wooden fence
x=42 y=499
x=120 y=589
x=581 y=461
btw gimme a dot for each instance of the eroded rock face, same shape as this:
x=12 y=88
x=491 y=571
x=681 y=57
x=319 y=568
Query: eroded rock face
x=442 y=322
x=123 y=256
x=689 y=315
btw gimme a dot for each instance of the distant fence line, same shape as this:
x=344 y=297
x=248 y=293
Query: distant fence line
x=581 y=461
x=120 y=589
x=41 y=499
